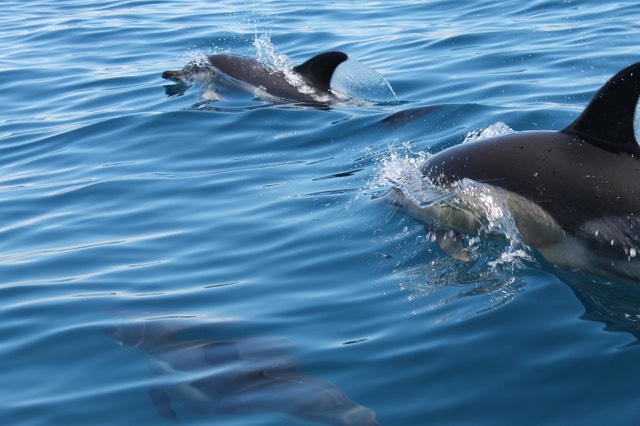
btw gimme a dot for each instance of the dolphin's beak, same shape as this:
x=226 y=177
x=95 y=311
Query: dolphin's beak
x=177 y=76
x=394 y=198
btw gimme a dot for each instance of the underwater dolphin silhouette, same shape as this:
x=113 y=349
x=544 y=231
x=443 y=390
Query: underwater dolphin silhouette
x=309 y=82
x=250 y=375
x=573 y=195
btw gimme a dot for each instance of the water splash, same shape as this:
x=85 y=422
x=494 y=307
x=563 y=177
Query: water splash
x=444 y=286
x=490 y=208
x=268 y=55
x=354 y=80
x=196 y=57
x=497 y=129
x=351 y=81
x=496 y=260
x=400 y=168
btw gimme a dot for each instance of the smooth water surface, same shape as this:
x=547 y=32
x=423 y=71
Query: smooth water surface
x=250 y=220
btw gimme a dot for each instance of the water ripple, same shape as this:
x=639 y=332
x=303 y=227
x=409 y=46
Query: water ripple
x=118 y=202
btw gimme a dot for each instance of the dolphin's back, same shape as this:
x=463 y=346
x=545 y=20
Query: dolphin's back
x=307 y=82
x=315 y=74
x=586 y=190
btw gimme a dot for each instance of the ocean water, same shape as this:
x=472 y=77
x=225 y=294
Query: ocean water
x=245 y=221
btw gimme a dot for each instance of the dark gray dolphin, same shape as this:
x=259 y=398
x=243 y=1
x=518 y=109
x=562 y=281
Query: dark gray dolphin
x=573 y=195
x=308 y=82
x=234 y=376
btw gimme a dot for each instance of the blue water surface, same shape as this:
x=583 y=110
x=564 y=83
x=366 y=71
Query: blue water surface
x=250 y=218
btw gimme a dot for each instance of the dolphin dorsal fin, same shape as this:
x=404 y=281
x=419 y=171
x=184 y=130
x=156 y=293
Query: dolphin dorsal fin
x=319 y=69
x=607 y=121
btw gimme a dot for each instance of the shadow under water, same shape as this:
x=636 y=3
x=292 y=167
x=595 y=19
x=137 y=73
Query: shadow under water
x=616 y=304
x=249 y=375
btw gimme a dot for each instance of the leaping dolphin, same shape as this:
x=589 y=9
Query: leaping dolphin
x=250 y=375
x=309 y=82
x=573 y=195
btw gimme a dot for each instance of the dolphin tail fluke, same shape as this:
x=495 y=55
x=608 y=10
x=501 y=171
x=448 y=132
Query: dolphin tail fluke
x=162 y=402
x=319 y=69
x=608 y=119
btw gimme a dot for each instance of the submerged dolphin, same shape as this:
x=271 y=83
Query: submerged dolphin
x=573 y=195
x=234 y=376
x=308 y=82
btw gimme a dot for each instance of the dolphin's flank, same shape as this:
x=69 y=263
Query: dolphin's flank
x=307 y=82
x=573 y=195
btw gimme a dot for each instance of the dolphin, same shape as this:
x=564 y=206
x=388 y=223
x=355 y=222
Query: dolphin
x=309 y=82
x=573 y=195
x=249 y=375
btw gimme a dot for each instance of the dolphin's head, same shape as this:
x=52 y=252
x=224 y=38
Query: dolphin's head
x=144 y=335
x=194 y=71
x=450 y=210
